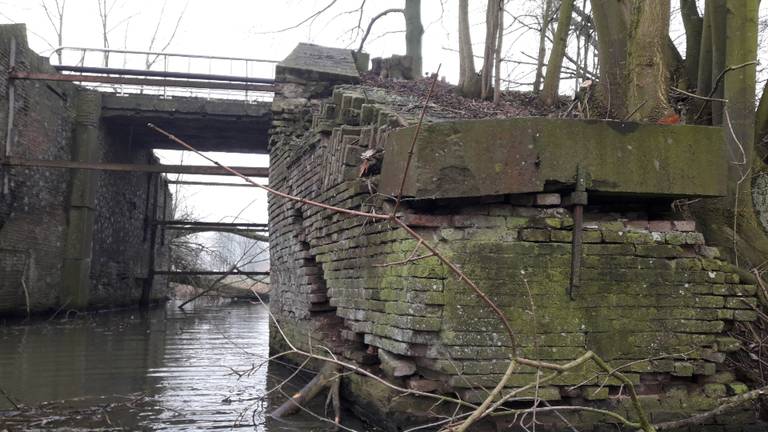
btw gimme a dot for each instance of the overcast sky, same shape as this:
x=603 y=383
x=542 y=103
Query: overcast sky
x=249 y=28
x=236 y=28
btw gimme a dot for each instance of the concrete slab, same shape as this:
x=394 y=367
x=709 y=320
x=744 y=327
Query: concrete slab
x=524 y=155
x=207 y=124
x=318 y=63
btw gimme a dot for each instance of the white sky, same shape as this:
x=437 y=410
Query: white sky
x=236 y=28
x=245 y=28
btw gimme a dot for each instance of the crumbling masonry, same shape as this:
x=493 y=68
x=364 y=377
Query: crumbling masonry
x=493 y=195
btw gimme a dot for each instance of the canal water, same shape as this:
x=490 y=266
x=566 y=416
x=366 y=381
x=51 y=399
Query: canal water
x=163 y=369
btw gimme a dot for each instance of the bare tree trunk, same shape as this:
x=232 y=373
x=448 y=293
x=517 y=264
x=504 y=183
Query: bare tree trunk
x=469 y=81
x=491 y=28
x=612 y=26
x=718 y=32
x=103 y=15
x=413 y=33
x=704 y=73
x=733 y=222
x=549 y=94
x=648 y=74
x=57 y=21
x=497 y=63
x=761 y=124
x=61 y=24
x=545 y=15
x=693 y=24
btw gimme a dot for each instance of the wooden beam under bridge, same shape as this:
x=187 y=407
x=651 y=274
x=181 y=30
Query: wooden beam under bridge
x=106 y=166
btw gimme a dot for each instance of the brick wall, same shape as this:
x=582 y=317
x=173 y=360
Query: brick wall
x=654 y=298
x=125 y=205
x=33 y=215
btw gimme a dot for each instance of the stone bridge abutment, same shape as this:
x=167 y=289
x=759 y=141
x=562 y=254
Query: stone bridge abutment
x=84 y=200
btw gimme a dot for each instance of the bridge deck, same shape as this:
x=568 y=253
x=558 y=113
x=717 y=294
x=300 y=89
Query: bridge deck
x=208 y=124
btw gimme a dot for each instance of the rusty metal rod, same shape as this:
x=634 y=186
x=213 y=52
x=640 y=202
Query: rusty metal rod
x=579 y=200
x=210 y=224
x=162 y=74
x=158 y=53
x=199 y=183
x=150 y=82
x=105 y=166
x=576 y=246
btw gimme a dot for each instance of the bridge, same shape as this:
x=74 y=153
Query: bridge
x=78 y=176
x=225 y=113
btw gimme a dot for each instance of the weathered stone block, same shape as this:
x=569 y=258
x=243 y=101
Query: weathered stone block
x=658 y=251
x=660 y=226
x=595 y=393
x=521 y=155
x=682 y=369
x=426 y=220
x=684 y=225
x=547 y=199
x=535 y=235
x=675 y=238
x=562 y=236
x=715 y=391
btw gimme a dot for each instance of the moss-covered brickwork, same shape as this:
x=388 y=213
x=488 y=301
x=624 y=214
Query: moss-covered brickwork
x=654 y=298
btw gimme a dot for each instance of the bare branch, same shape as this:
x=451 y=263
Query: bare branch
x=304 y=21
x=373 y=20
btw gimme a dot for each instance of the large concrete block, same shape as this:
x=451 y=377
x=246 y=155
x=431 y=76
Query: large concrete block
x=311 y=62
x=524 y=155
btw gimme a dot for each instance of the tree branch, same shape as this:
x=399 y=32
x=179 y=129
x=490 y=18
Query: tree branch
x=373 y=20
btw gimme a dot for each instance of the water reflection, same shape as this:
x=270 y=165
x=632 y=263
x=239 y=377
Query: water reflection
x=163 y=369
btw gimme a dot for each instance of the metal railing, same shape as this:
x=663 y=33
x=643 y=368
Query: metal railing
x=168 y=74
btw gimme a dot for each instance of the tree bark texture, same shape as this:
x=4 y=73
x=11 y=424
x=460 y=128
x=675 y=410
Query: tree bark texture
x=612 y=25
x=736 y=223
x=693 y=24
x=647 y=69
x=550 y=91
x=469 y=80
x=413 y=35
x=492 y=13
x=546 y=14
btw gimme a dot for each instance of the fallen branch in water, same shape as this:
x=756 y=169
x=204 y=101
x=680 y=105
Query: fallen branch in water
x=328 y=376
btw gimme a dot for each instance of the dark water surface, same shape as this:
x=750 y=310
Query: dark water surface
x=162 y=369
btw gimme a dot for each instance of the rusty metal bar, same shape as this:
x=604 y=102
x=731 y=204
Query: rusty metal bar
x=11 y=110
x=196 y=183
x=103 y=79
x=161 y=54
x=162 y=74
x=146 y=290
x=105 y=166
x=579 y=200
x=211 y=224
